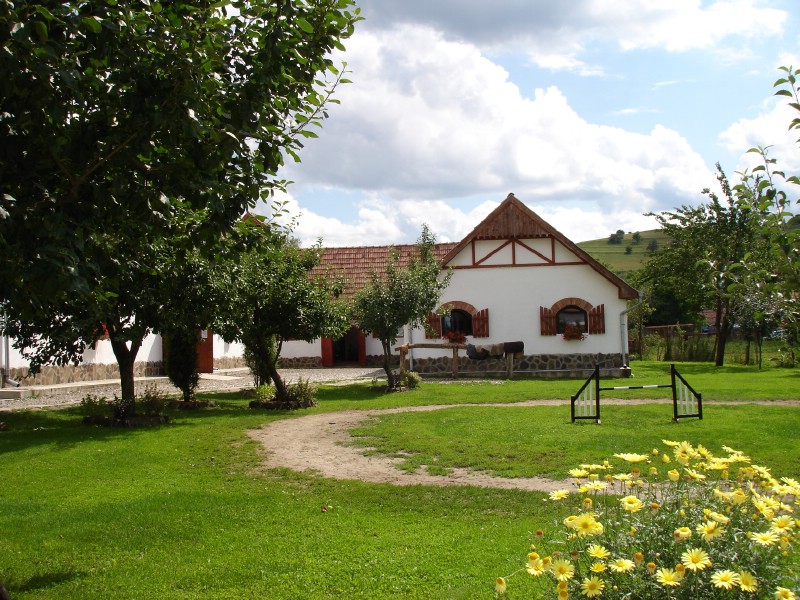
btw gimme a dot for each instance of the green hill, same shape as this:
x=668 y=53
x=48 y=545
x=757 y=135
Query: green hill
x=614 y=256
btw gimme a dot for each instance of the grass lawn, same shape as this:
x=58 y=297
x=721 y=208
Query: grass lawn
x=186 y=511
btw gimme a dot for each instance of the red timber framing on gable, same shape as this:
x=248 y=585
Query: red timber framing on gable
x=513 y=225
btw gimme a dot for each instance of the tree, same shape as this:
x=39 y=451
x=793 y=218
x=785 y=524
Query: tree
x=181 y=361
x=700 y=266
x=652 y=246
x=117 y=120
x=273 y=298
x=637 y=237
x=401 y=295
x=766 y=189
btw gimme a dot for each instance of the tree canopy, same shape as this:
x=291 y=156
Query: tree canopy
x=271 y=298
x=135 y=133
x=700 y=266
x=401 y=295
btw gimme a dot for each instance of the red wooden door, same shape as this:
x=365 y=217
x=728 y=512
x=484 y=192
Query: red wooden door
x=205 y=351
x=327 y=352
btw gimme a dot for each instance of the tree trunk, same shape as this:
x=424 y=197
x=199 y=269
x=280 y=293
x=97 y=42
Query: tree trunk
x=125 y=358
x=747 y=352
x=281 y=394
x=722 y=337
x=387 y=365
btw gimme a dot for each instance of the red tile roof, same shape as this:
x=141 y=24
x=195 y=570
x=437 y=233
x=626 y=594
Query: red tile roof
x=355 y=264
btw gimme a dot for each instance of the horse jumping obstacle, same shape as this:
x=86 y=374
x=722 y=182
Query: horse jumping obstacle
x=686 y=402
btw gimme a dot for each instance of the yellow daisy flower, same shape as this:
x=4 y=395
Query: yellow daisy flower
x=725 y=579
x=592 y=587
x=536 y=567
x=783 y=524
x=598 y=551
x=682 y=533
x=747 y=581
x=631 y=457
x=783 y=593
x=695 y=559
x=559 y=494
x=631 y=504
x=579 y=472
x=668 y=578
x=500 y=585
x=622 y=565
x=766 y=538
x=709 y=530
x=598 y=567
x=674 y=475
x=562 y=569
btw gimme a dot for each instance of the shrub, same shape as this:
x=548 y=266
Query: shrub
x=680 y=524
x=181 y=361
x=410 y=379
x=152 y=402
x=301 y=393
x=96 y=406
x=264 y=393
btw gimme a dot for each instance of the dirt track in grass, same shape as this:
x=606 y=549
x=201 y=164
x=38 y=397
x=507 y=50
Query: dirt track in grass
x=319 y=444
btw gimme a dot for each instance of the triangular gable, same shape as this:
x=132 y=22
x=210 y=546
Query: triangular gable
x=514 y=221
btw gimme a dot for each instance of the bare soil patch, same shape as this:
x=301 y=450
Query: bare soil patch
x=318 y=444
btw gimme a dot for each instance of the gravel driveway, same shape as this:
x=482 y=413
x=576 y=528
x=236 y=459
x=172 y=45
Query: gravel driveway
x=67 y=394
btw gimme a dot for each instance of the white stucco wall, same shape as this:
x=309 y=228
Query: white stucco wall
x=100 y=354
x=513 y=296
x=301 y=349
x=223 y=349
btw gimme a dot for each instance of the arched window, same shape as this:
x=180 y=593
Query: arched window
x=571 y=315
x=457 y=320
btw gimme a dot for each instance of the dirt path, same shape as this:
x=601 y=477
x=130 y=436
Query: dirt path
x=317 y=443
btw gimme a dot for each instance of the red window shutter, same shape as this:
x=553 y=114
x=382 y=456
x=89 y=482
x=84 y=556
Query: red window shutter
x=434 y=329
x=547 y=319
x=597 y=319
x=480 y=324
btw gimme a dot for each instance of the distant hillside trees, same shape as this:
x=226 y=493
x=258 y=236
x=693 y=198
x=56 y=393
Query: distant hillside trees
x=616 y=238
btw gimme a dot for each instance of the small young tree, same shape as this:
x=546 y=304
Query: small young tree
x=768 y=190
x=273 y=298
x=401 y=295
x=181 y=361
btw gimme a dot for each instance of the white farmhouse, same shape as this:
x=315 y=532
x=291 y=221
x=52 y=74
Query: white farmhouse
x=514 y=279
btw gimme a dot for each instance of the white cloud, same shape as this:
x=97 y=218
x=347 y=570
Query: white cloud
x=769 y=128
x=549 y=31
x=430 y=119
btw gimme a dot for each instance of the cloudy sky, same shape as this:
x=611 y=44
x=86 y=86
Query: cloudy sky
x=592 y=112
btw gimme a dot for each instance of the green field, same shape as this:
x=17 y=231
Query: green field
x=187 y=510
x=613 y=255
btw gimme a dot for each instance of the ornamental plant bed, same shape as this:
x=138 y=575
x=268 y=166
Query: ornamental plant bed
x=282 y=405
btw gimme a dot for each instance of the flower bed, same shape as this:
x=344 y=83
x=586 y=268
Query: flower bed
x=682 y=523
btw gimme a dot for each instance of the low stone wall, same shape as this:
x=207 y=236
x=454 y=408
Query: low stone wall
x=51 y=375
x=539 y=365
x=229 y=363
x=301 y=362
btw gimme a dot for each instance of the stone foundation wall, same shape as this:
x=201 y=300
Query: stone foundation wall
x=229 y=363
x=301 y=362
x=539 y=365
x=51 y=375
